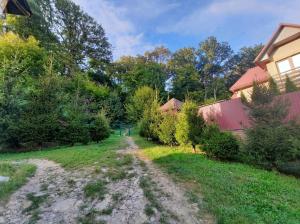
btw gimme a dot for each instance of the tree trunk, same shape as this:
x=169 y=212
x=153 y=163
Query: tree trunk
x=194 y=148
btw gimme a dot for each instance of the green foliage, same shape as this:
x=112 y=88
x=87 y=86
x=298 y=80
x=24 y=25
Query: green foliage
x=149 y=123
x=221 y=145
x=290 y=86
x=270 y=139
x=95 y=190
x=270 y=146
x=167 y=129
x=99 y=127
x=43 y=108
x=189 y=127
x=234 y=193
x=142 y=98
x=71 y=34
x=273 y=87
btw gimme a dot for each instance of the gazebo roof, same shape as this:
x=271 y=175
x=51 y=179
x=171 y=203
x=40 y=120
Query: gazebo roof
x=172 y=104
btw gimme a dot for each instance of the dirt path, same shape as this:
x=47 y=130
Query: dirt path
x=48 y=197
x=135 y=192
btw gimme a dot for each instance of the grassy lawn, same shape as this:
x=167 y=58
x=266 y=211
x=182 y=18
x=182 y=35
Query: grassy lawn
x=76 y=156
x=18 y=176
x=235 y=193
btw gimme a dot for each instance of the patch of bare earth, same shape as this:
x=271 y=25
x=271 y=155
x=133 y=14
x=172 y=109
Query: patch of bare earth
x=134 y=192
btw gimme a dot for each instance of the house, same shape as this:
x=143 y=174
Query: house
x=281 y=55
x=245 y=83
x=173 y=105
x=279 y=59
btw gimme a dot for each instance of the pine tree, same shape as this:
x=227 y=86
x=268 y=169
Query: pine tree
x=290 y=85
x=190 y=125
x=273 y=87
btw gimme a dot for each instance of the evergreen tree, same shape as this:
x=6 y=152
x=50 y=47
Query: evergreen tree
x=190 y=125
x=290 y=86
x=273 y=87
x=269 y=139
x=167 y=129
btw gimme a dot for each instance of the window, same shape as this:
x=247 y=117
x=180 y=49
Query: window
x=284 y=66
x=296 y=61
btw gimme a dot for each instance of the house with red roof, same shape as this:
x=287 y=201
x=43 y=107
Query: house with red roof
x=173 y=105
x=279 y=59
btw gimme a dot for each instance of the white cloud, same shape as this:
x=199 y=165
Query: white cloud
x=121 y=31
x=219 y=12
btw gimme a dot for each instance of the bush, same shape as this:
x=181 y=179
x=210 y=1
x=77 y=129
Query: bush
x=221 y=145
x=99 y=127
x=190 y=125
x=271 y=146
x=167 y=129
x=149 y=124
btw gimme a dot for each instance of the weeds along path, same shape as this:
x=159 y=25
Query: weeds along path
x=126 y=190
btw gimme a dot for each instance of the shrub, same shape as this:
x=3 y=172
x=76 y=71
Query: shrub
x=190 y=125
x=142 y=98
x=221 y=145
x=167 y=129
x=271 y=146
x=149 y=124
x=99 y=127
x=271 y=141
x=290 y=86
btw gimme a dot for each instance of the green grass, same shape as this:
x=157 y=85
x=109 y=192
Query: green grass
x=18 y=176
x=235 y=193
x=76 y=156
x=95 y=189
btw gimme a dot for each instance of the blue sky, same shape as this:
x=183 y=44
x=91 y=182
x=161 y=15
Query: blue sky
x=134 y=26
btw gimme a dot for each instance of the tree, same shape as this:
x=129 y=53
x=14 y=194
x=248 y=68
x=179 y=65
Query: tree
x=213 y=59
x=75 y=37
x=21 y=61
x=269 y=140
x=160 y=55
x=81 y=36
x=139 y=102
x=241 y=62
x=190 y=125
x=167 y=129
x=99 y=127
x=149 y=123
x=184 y=75
x=290 y=86
x=273 y=87
x=39 y=25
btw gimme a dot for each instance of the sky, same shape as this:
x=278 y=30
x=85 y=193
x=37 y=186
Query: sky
x=135 y=26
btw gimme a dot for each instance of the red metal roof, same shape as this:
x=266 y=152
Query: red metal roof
x=231 y=115
x=172 y=104
x=255 y=74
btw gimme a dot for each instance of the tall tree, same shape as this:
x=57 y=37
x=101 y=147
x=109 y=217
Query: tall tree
x=213 y=59
x=81 y=36
x=184 y=76
x=241 y=62
x=61 y=26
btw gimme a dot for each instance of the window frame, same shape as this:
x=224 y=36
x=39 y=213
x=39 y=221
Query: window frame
x=291 y=63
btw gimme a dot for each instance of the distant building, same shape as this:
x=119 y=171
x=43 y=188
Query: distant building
x=173 y=105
